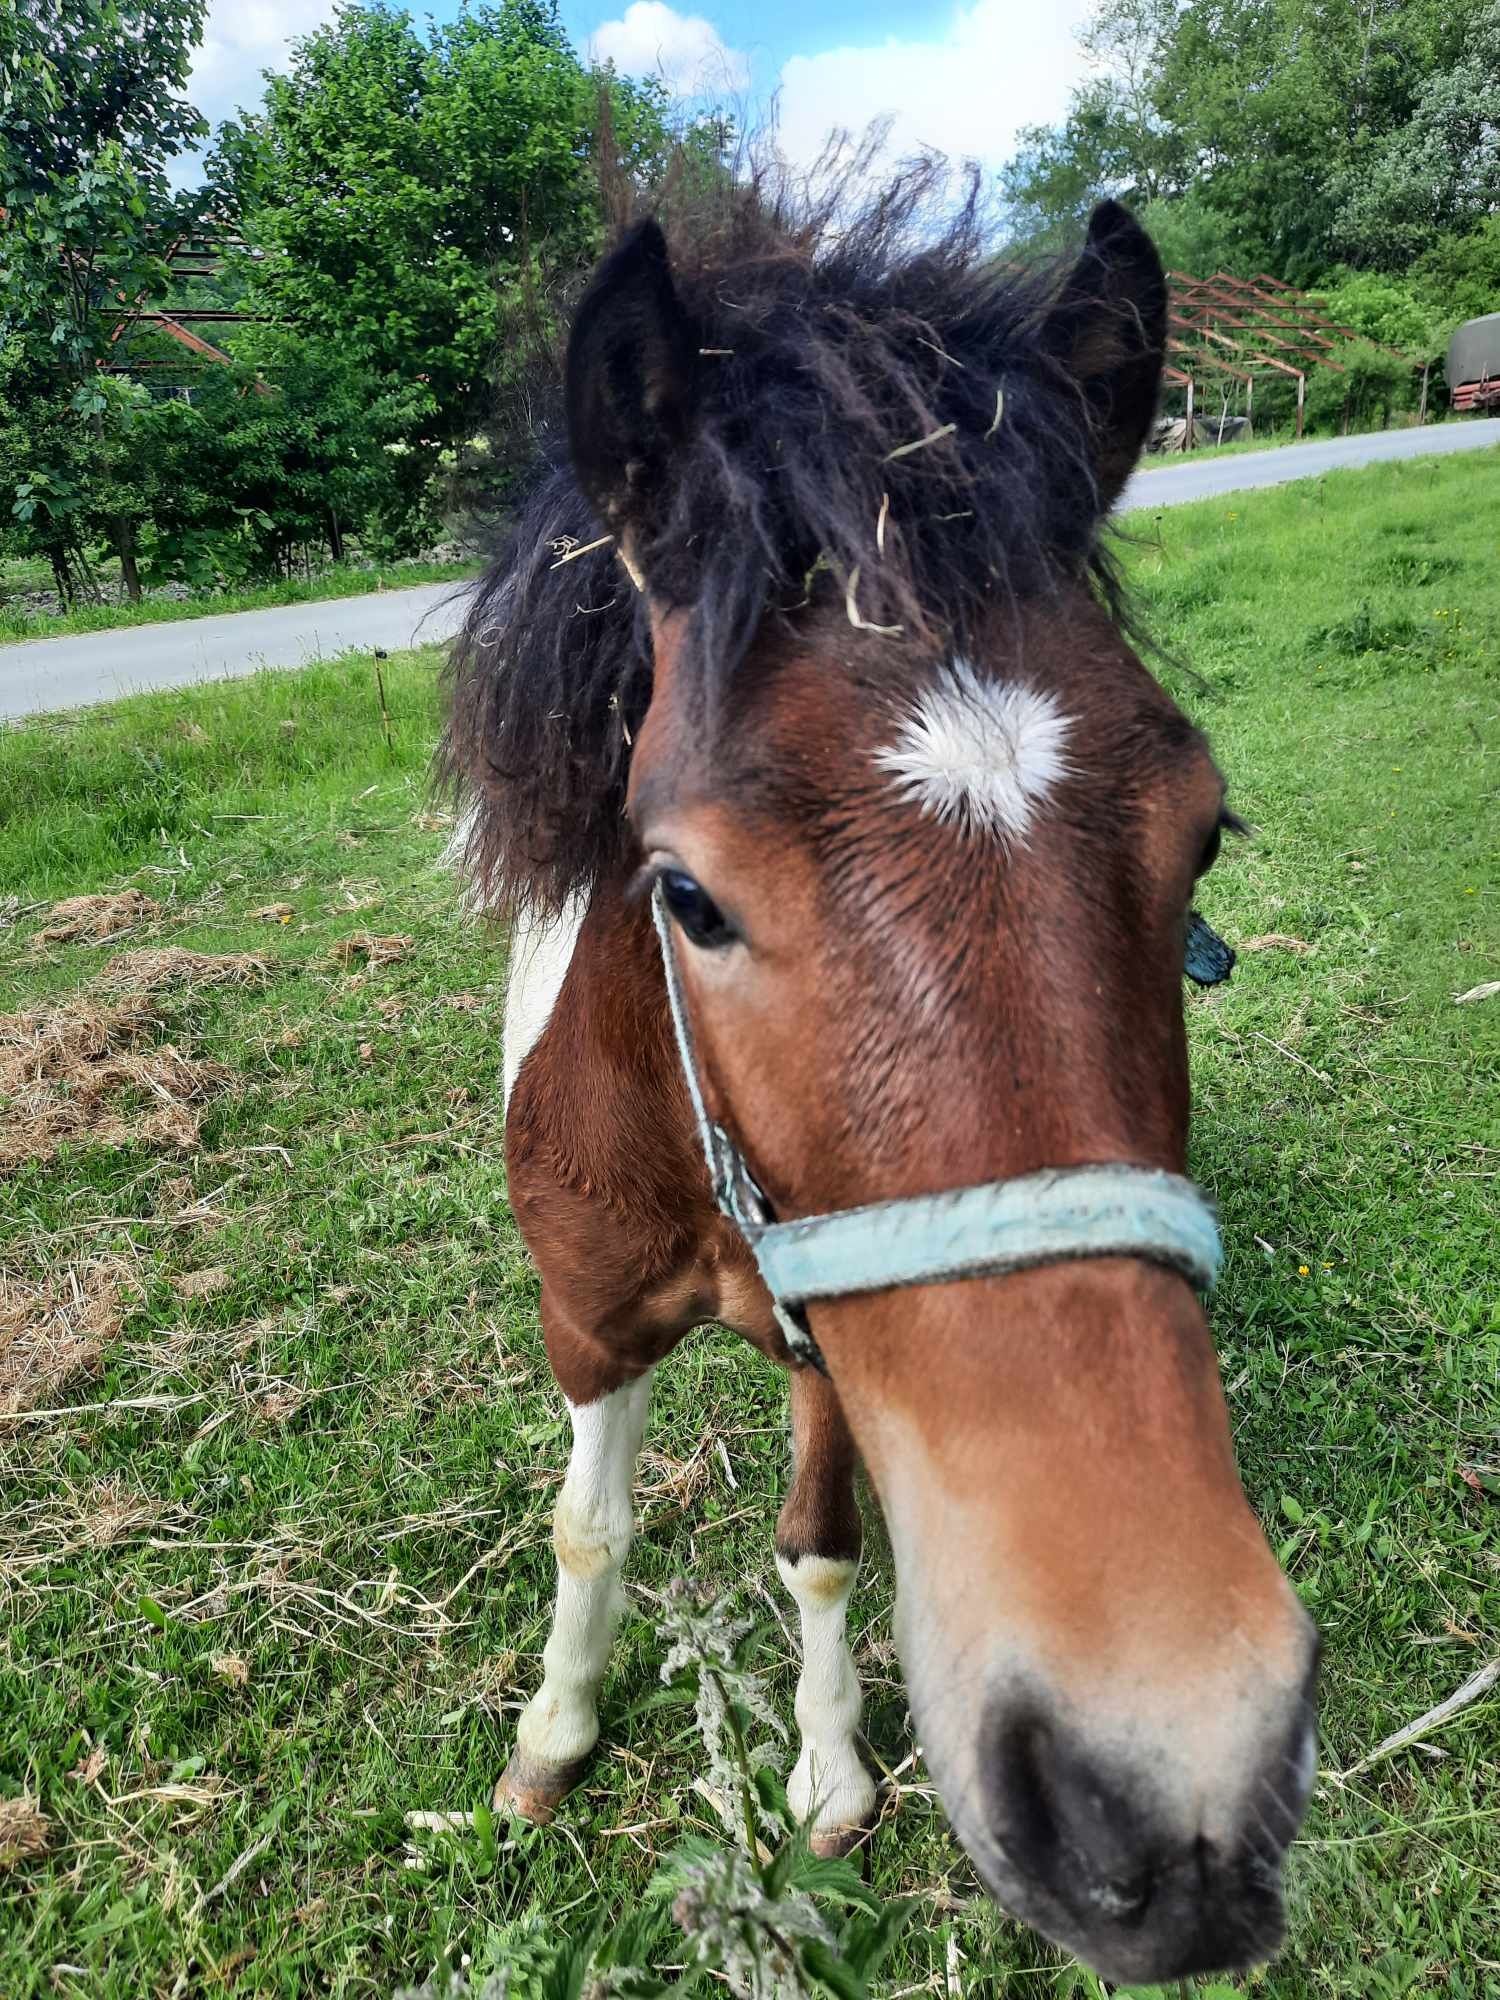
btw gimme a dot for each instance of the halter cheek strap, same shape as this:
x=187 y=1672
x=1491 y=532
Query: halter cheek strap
x=986 y=1230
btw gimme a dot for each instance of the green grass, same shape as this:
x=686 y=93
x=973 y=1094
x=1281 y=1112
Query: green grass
x=341 y=1463
x=338 y=580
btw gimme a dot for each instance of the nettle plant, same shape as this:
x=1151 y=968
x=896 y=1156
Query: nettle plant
x=757 y=1912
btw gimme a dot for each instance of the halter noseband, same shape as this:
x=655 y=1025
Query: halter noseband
x=982 y=1231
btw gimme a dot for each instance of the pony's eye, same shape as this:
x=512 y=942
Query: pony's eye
x=703 y=922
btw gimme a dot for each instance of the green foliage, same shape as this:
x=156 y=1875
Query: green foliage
x=1293 y=136
x=1273 y=102
x=42 y=462
x=1113 y=139
x=416 y=196
x=762 y=1924
x=758 y=1922
x=1191 y=236
x=1461 y=274
x=1387 y=310
x=92 y=116
x=1439 y=170
x=1355 y=150
x=1374 y=384
x=287 y=449
x=412 y=197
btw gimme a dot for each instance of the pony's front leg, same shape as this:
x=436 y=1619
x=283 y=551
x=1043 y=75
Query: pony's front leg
x=818 y=1536
x=591 y=1534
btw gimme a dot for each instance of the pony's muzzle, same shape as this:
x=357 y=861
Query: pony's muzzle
x=1093 y=1853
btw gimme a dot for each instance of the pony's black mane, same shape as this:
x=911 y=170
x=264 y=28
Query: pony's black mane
x=880 y=425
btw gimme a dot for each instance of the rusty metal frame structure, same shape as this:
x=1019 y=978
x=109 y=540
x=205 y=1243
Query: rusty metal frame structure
x=198 y=255
x=1247 y=329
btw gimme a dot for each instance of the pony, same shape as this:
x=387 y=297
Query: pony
x=847 y=849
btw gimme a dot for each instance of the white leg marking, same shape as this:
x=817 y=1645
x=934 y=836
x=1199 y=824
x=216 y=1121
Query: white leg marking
x=591 y=1533
x=541 y=951
x=829 y=1783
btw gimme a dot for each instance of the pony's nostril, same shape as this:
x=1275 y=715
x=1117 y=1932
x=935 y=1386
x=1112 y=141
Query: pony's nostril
x=1094 y=1849
x=1122 y=1902
x=1063 y=1824
x=1020 y=1798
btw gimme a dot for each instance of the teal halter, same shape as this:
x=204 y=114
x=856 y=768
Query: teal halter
x=983 y=1231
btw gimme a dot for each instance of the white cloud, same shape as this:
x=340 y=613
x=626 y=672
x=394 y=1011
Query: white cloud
x=240 y=39
x=1000 y=65
x=684 y=50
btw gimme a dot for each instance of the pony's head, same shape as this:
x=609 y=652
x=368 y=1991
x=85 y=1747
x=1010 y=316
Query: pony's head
x=928 y=832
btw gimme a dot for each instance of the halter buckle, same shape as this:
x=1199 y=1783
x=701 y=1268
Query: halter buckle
x=740 y=1197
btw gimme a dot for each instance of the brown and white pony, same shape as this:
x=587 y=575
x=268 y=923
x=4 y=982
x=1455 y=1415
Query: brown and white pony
x=812 y=627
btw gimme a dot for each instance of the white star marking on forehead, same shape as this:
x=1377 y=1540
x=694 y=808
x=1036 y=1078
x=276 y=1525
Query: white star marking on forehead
x=979 y=755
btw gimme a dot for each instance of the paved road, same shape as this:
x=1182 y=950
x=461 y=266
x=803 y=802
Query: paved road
x=42 y=674
x=1187 y=478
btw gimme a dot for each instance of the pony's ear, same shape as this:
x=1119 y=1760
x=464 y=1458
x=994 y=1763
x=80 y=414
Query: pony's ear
x=1108 y=327
x=631 y=360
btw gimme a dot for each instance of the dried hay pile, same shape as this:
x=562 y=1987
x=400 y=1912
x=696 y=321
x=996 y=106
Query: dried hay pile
x=55 y=1329
x=24 y=1831
x=375 y=951
x=154 y=970
x=96 y=1073
x=91 y=919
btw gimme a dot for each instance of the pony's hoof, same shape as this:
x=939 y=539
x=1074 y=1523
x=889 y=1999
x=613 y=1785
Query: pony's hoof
x=832 y=1843
x=534 y=1791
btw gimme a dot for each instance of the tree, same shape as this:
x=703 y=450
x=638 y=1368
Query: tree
x=1274 y=102
x=1192 y=236
x=1438 y=173
x=1371 y=385
x=1113 y=140
x=43 y=473
x=1295 y=134
x=408 y=192
x=91 y=114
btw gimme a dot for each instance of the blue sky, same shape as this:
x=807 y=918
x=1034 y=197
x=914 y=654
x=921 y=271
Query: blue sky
x=960 y=75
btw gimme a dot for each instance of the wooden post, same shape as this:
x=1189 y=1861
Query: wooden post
x=1187 y=434
x=1301 y=398
x=1422 y=406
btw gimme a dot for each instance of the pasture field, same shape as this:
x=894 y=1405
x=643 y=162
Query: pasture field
x=279 y=1445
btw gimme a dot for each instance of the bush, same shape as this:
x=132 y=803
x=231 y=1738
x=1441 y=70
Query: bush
x=1372 y=386
x=1461 y=274
x=1387 y=310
